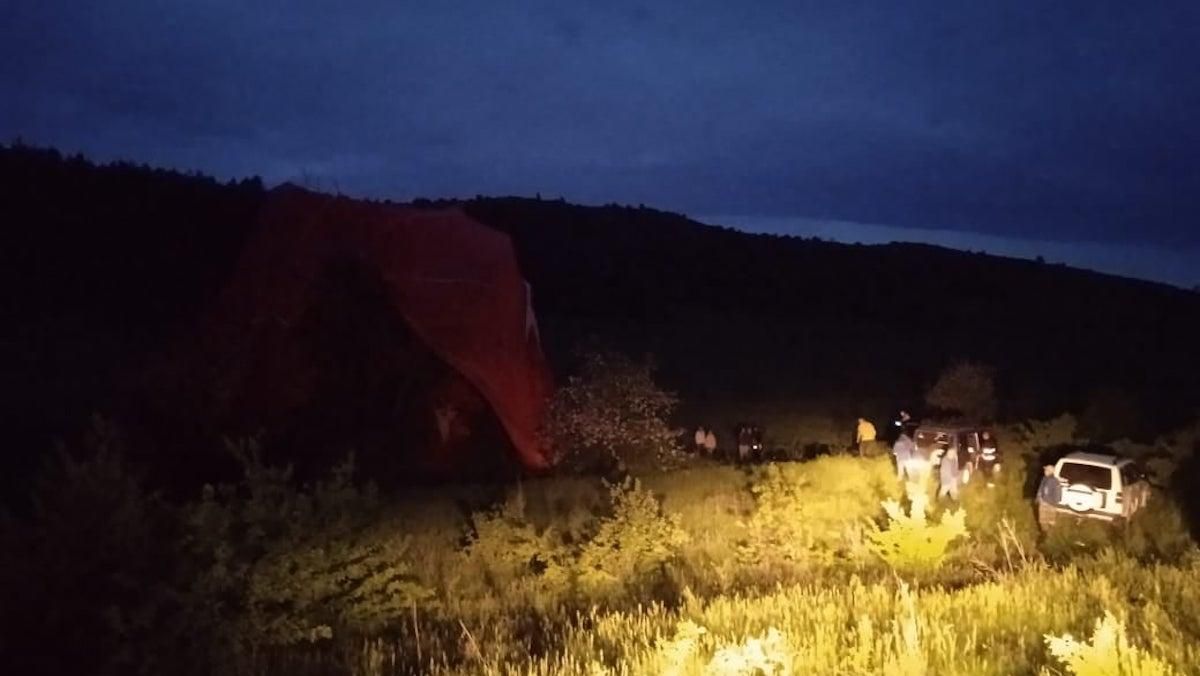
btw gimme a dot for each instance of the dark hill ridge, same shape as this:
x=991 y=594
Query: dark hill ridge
x=104 y=265
x=790 y=316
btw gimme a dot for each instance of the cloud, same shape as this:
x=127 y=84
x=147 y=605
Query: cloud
x=1175 y=266
x=1072 y=119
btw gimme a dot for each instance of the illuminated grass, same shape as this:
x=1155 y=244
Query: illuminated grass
x=828 y=607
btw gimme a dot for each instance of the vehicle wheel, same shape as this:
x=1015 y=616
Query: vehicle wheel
x=1080 y=498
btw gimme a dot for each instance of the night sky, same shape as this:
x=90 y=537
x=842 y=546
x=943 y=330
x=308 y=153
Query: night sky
x=1066 y=122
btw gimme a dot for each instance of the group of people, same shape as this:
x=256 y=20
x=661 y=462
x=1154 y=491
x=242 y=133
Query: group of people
x=705 y=442
x=914 y=465
x=748 y=444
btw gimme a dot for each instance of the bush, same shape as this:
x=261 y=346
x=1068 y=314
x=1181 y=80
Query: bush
x=965 y=388
x=84 y=578
x=810 y=514
x=1109 y=652
x=1034 y=435
x=630 y=547
x=514 y=559
x=271 y=564
x=612 y=413
x=910 y=543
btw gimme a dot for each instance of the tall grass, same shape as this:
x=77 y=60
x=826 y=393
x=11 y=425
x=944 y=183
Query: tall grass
x=705 y=570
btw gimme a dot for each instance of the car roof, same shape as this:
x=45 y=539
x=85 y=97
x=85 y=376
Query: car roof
x=951 y=428
x=1104 y=459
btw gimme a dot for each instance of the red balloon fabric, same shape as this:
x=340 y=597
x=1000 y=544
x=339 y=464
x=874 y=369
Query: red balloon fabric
x=455 y=281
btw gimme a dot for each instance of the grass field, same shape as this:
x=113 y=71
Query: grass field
x=797 y=589
x=707 y=569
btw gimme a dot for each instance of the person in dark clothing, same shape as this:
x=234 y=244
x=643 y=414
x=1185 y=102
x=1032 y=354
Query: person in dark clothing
x=1049 y=494
x=989 y=458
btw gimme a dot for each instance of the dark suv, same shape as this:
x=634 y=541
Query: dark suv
x=978 y=453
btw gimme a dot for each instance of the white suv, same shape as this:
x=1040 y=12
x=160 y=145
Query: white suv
x=1101 y=486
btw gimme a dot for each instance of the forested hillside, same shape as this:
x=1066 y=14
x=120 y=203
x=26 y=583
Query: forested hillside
x=104 y=266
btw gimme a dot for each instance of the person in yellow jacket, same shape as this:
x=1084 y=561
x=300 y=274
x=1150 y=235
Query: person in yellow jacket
x=864 y=437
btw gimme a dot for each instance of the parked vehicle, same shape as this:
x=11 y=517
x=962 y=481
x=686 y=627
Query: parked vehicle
x=976 y=455
x=1101 y=486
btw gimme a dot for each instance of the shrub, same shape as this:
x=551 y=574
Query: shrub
x=271 y=564
x=629 y=547
x=912 y=544
x=965 y=388
x=811 y=514
x=612 y=412
x=1109 y=652
x=84 y=578
x=1172 y=451
x=1158 y=532
x=1035 y=435
x=779 y=531
x=513 y=558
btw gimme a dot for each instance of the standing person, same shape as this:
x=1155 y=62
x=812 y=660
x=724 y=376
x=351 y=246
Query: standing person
x=742 y=436
x=948 y=474
x=903 y=423
x=699 y=438
x=903 y=450
x=864 y=437
x=710 y=444
x=1049 y=494
x=989 y=458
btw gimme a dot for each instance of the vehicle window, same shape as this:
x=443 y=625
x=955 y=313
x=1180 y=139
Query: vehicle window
x=1090 y=475
x=1130 y=474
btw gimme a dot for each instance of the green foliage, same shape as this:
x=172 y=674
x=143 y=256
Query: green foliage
x=563 y=577
x=1108 y=653
x=81 y=578
x=1158 y=532
x=619 y=555
x=1172 y=451
x=631 y=545
x=809 y=514
x=273 y=564
x=1034 y=435
x=512 y=556
x=910 y=543
x=612 y=412
x=777 y=530
x=966 y=388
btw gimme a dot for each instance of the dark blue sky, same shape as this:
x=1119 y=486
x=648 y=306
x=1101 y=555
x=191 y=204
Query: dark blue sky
x=1065 y=121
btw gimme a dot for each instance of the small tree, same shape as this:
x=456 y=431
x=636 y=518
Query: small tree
x=1108 y=652
x=911 y=543
x=612 y=412
x=966 y=388
x=630 y=547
